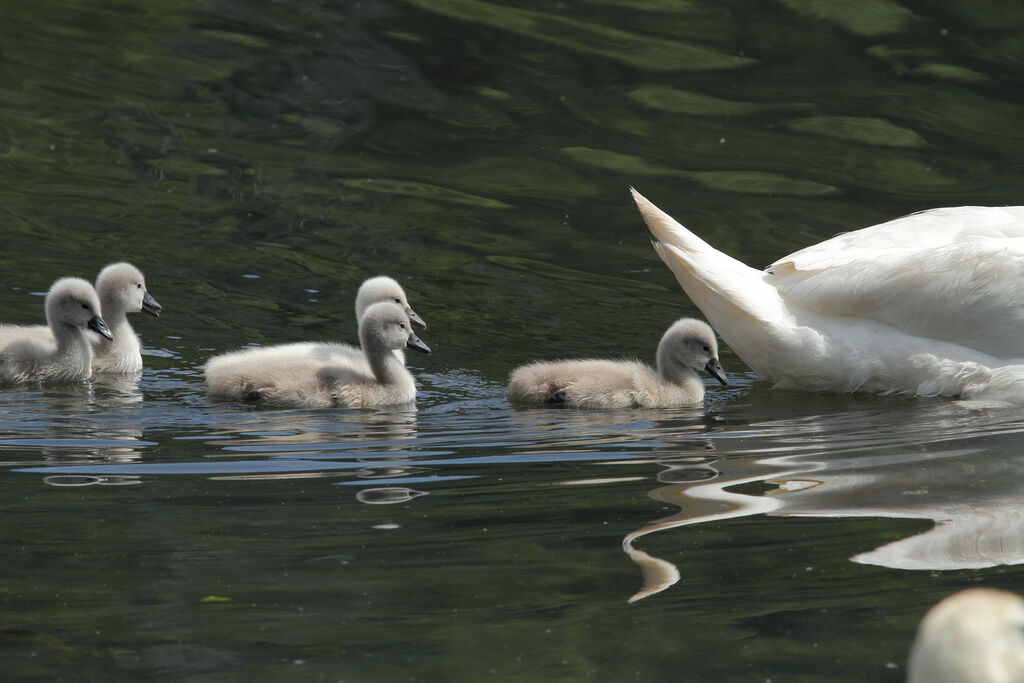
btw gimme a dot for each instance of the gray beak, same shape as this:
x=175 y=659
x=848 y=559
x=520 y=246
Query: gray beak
x=416 y=343
x=415 y=318
x=149 y=305
x=714 y=368
x=98 y=324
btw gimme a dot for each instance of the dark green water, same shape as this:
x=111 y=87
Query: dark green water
x=258 y=160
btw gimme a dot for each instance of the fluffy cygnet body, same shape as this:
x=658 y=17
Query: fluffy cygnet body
x=66 y=354
x=687 y=345
x=310 y=375
x=121 y=288
x=974 y=636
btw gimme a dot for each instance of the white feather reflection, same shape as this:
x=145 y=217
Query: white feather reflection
x=972 y=493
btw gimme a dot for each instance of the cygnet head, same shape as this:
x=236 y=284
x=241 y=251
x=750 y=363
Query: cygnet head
x=383 y=288
x=122 y=288
x=387 y=324
x=73 y=301
x=690 y=343
x=976 y=635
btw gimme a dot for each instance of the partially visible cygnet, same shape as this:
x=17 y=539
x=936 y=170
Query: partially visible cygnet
x=687 y=345
x=66 y=355
x=383 y=288
x=121 y=288
x=974 y=636
x=308 y=375
x=375 y=290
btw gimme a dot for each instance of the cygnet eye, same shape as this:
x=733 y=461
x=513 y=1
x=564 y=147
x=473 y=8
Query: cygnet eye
x=138 y=285
x=402 y=325
x=398 y=299
x=85 y=306
x=707 y=349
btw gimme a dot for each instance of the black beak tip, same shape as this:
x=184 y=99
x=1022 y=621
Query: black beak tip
x=714 y=368
x=416 y=318
x=417 y=344
x=149 y=305
x=98 y=325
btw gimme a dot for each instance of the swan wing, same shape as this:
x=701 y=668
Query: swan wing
x=929 y=229
x=953 y=275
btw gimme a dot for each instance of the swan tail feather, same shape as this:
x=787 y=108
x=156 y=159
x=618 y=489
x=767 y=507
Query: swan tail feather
x=719 y=285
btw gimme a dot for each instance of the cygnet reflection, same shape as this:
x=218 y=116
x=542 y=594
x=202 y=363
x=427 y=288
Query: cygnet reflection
x=89 y=480
x=388 y=495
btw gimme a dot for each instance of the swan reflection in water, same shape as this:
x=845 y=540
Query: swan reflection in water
x=969 y=487
x=87 y=422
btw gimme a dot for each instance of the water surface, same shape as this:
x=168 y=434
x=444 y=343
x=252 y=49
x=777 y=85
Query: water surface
x=259 y=160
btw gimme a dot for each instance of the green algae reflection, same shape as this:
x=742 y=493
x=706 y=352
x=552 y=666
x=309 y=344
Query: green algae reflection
x=408 y=188
x=676 y=101
x=864 y=18
x=640 y=51
x=866 y=129
x=746 y=182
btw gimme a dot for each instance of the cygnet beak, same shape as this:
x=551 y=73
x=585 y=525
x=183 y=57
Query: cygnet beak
x=98 y=324
x=149 y=305
x=714 y=368
x=415 y=318
x=416 y=343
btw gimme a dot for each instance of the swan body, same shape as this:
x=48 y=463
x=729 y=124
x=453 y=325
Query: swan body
x=974 y=636
x=312 y=375
x=687 y=345
x=66 y=354
x=929 y=304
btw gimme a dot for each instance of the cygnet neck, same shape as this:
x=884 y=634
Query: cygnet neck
x=385 y=366
x=124 y=333
x=114 y=311
x=72 y=342
x=669 y=367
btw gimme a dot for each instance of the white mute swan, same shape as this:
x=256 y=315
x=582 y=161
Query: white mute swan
x=687 y=345
x=307 y=375
x=974 y=636
x=929 y=304
x=66 y=356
